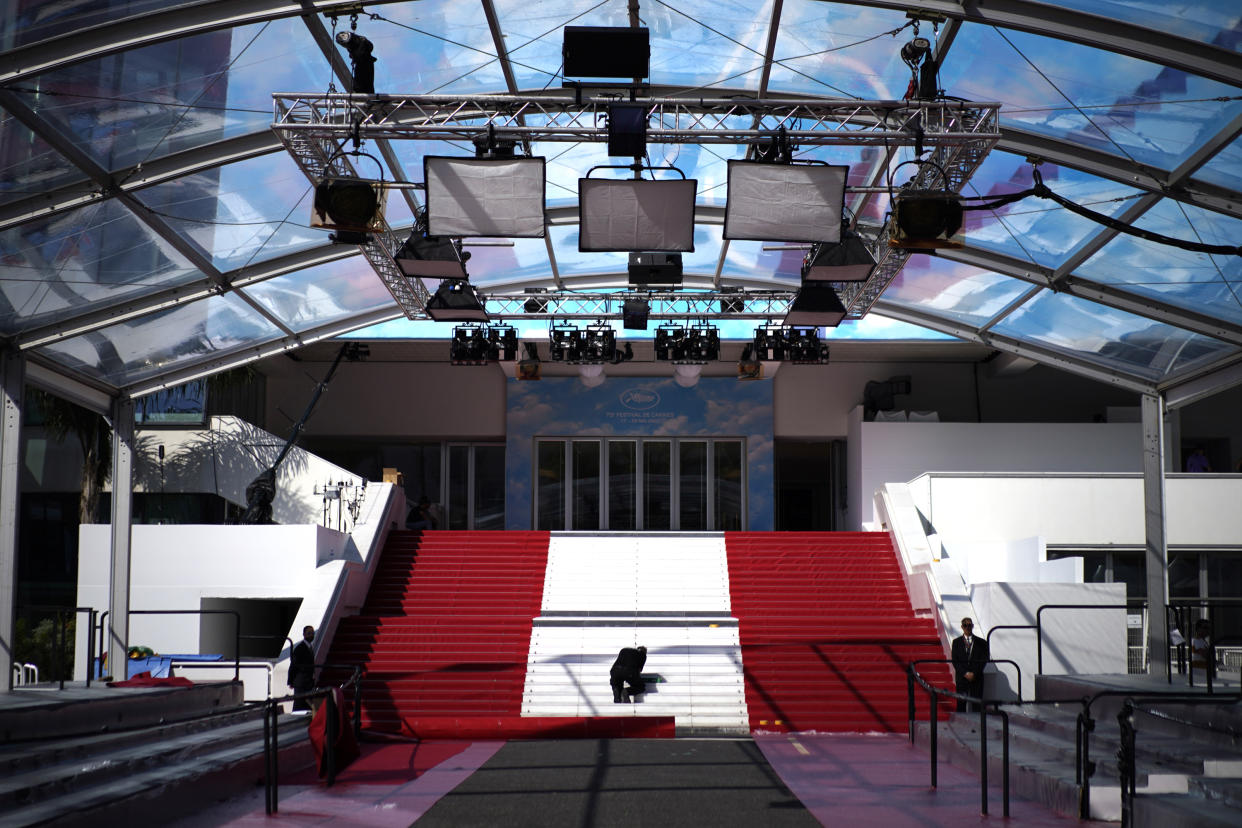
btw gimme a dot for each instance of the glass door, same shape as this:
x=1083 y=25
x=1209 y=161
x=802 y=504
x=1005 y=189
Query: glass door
x=657 y=480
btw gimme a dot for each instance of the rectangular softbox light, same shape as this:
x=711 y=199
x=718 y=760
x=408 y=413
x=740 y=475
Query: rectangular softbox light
x=485 y=197
x=784 y=202
x=635 y=215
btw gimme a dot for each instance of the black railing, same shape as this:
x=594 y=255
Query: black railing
x=1180 y=608
x=933 y=699
x=271 y=746
x=59 y=641
x=236 y=632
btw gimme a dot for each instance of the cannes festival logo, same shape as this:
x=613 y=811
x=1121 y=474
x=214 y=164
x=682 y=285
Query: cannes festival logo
x=639 y=400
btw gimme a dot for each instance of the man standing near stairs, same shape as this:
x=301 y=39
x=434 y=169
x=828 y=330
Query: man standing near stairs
x=970 y=656
x=626 y=669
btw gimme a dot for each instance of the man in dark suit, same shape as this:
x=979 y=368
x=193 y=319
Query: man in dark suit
x=970 y=655
x=625 y=670
x=302 y=667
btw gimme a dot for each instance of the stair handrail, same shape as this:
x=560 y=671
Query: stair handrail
x=934 y=694
x=271 y=747
x=1176 y=606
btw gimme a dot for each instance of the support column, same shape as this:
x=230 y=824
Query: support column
x=1154 y=528
x=12 y=396
x=122 y=517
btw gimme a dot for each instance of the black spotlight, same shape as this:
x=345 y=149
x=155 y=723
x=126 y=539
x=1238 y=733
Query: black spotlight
x=502 y=342
x=600 y=343
x=361 y=61
x=469 y=345
x=350 y=204
x=849 y=260
x=926 y=220
x=634 y=313
x=456 y=301
x=434 y=257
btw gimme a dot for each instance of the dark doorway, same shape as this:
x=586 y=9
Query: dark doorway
x=809 y=485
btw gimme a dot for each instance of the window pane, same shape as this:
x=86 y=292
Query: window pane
x=489 y=487
x=692 y=457
x=586 y=485
x=459 y=487
x=550 y=482
x=657 y=476
x=727 y=485
x=1130 y=568
x=622 y=492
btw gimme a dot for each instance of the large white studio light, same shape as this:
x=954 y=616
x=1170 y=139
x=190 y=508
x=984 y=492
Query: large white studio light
x=784 y=202
x=636 y=215
x=485 y=197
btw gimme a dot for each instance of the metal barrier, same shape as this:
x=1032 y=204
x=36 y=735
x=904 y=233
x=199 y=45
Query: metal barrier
x=236 y=631
x=59 y=643
x=271 y=747
x=933 y=694
x=1177 y=606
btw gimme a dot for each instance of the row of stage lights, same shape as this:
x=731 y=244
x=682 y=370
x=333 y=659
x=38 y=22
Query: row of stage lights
x=696 y=343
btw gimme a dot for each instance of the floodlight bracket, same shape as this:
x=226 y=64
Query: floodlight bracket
x=637 y=169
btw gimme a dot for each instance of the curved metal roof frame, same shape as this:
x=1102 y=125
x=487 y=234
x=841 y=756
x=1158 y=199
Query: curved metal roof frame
x=99 y=184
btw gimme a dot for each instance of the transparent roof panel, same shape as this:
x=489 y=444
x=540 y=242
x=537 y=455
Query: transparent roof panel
x=841 y=51
x=571 y=262
x=241 y=213
x=751 y=262
x=432 y=47
x=1038 y=229
x=160 y=342
x=1198 y=281
x=1214 y=23
x=29 y=167
x=321 y=295
x=1109 y=337
x=61 y=264
x=1143 y=111
x=507 y=261
x=1225 y=169
x=32 y=22
x=146 y=102
x=952 y=289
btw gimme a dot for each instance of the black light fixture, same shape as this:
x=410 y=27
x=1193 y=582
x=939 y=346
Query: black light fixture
x=502 y=342
x=732 y=301
x=606 y=52
x=849 y=260
x=347 y=204
x=769 y=343
x=647 y=269
x=564 y=343
x=917 y=54
x=634 y=314
x=594 y=345
x=362 y=62
x=816 y=305
x=926 y=220
x=456 y=301
x=536 y=303
x=599 y=343
x=627 y=130
x=469 y=345
x=805 y=348
x=693 y=344
x=432 y=257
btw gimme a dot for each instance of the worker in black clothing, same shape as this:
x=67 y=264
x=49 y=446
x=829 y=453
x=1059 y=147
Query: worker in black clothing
x=625 y=670
x=302 y=668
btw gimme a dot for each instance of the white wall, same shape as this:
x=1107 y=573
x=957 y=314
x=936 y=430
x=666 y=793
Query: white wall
x=1075 y=641
x=1077 y=510
x=880 y=453
x=178 y=566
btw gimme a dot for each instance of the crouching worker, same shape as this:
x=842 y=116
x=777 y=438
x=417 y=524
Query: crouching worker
x=625 y=670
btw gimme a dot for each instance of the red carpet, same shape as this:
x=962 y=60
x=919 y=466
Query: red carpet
x=445 y=631
x=826 y=630
x=386 y=764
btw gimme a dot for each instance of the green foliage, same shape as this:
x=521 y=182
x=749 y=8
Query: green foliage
x=37 y=645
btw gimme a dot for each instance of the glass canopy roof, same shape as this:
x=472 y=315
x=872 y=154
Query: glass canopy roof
x=153 y=228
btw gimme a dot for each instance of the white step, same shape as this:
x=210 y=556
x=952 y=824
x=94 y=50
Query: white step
x=667 y=593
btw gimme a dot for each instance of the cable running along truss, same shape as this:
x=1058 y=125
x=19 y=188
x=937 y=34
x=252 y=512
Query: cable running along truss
x=956 y=135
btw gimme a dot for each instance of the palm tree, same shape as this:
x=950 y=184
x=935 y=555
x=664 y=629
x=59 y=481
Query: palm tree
x=63 y=420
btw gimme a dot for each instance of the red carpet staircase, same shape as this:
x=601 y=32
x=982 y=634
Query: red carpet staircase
x=826 y=631
x=444 y=639
x=444 y=634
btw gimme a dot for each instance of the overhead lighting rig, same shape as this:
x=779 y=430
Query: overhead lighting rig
x=786 y=343
x=693 y=344
x=595 y=344
x=924 y=219
x=479 y=344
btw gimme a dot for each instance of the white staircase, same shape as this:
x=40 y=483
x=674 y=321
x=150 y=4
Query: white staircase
x=669 y=593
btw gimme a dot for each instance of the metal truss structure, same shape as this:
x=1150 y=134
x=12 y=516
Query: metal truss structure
x=753 y=304
x=958 y=136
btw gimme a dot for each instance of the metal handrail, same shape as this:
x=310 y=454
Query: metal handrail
x=1176 y=605
x=60 y=637
x=271 y=748
x=934 y=694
